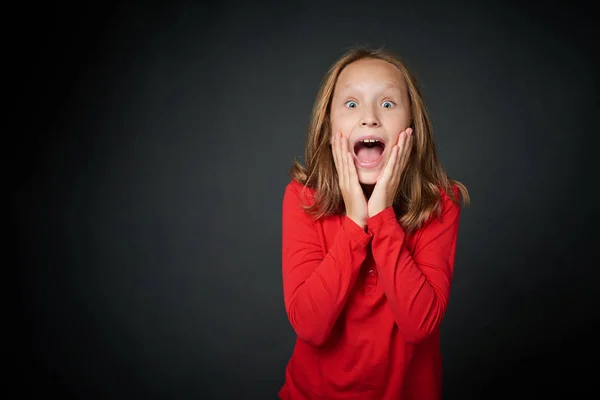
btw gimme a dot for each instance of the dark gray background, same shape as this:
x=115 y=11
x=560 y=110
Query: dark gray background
x=149 y=169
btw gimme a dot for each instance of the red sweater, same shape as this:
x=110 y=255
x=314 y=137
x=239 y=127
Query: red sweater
x=366 y=306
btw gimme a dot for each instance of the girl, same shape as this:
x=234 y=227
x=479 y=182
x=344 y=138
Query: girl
x=370 y=225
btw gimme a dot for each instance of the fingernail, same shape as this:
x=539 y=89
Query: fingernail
x=409 y=130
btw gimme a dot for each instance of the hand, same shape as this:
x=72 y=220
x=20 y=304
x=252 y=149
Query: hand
x=387 y=184
x=354 y=197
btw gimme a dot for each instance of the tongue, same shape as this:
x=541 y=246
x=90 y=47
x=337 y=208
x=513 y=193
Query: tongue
x=366 y=154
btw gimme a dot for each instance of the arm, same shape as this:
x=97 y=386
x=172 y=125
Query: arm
x=316 y=285
x=417 y=287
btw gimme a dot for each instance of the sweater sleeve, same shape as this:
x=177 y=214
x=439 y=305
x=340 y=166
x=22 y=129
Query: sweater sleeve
x=316 y=283
x=416 y=286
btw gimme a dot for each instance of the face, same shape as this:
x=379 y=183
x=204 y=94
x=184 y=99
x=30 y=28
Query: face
x=370 y=107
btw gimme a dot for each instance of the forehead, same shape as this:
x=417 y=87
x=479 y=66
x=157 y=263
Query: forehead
x=370 y=71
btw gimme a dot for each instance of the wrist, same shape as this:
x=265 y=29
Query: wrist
x=376 y=210
x=362 y=222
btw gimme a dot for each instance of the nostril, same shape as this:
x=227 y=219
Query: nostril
x=369 y=123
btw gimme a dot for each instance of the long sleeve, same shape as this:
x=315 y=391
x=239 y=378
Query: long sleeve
x=416 y=286
x=316 y=284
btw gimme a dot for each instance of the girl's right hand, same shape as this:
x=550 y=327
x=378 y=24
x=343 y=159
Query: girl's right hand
x=354 y=197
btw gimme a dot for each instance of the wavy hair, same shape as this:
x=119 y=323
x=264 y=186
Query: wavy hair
x=418 y=194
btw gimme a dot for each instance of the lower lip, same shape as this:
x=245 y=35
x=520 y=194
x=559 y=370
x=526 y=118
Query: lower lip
x=370 y=164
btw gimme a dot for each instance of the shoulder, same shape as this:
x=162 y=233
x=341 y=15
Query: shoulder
x=446 y=210
x=445 y=195
x=293 y=185
x=297 y=193
x=298 y=190
x=444 y=214
x=447 y=204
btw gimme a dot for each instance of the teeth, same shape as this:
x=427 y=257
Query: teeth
x=369 y=140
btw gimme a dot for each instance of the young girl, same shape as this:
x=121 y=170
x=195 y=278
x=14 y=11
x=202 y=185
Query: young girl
x=370 y=225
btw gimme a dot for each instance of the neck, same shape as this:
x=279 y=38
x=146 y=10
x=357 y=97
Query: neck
x=367 y=190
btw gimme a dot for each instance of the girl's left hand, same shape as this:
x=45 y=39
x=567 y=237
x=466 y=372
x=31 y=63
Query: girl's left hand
x=387 y=184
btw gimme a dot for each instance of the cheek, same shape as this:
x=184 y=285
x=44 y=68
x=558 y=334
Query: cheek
x=398 y=122
x=340 y=122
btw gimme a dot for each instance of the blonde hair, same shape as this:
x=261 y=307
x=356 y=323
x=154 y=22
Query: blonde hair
x=418 y=194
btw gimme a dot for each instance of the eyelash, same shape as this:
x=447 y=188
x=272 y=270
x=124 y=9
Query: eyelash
x=387 y=101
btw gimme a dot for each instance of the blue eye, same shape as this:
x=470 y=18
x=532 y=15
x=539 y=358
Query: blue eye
x=387 y=104
x=351 y=104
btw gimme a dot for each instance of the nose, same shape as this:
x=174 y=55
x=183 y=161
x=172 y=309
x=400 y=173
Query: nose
x=369 y=119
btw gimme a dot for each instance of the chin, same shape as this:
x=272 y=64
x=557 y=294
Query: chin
x=368 y=177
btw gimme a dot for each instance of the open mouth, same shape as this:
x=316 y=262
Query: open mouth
x=369 y=152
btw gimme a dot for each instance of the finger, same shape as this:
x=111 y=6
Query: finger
x=402 y=144
x=352 y=173
x=407 y=142
x=334 y=151
x=344 y=159
x=389 y=167
x=407 y=138
x=407 y=146
x=405 y=154
x=340 y=159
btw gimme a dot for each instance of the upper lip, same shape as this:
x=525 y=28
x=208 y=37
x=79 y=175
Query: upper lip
x=365 y=137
